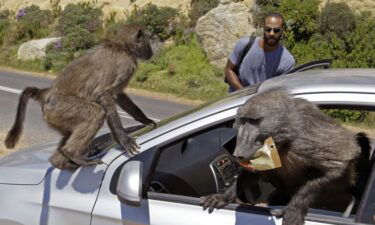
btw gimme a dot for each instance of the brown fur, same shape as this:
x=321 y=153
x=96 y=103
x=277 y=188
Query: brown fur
x=85 y=93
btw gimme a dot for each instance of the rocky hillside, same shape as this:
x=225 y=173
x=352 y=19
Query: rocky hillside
x=122 y=7
x=356 y=5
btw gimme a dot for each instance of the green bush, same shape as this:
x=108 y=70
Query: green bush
x=4 y=25
x=31 y=23
x=73 y=45
x=300 y=18
x=79 y=39
x=161 y=21
x=275 y=3
x=346 y=115
x=84 y=15
x=337 y=18
x=264 y=7
x=360 y=43
x=328 y=46
x=199 y=8
x=56 y=58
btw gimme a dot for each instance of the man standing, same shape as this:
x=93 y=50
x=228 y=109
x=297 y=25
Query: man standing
x=266 y=58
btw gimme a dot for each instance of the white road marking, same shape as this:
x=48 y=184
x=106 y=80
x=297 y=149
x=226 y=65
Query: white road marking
x=11 y=90
x=18 y=92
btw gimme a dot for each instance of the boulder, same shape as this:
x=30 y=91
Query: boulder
x=222 y=27
x=35 y=49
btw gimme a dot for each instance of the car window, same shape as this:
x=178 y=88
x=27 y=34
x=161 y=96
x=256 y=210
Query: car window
x=185 y=166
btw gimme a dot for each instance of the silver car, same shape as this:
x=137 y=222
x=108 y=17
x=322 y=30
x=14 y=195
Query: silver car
x=183 y=158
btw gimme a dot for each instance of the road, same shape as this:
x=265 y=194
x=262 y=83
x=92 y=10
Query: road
x=36 y=131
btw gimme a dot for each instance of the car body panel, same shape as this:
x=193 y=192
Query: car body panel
x=62 y=198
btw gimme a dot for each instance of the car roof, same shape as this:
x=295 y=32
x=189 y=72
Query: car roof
x=312 y=81
x=332 y=80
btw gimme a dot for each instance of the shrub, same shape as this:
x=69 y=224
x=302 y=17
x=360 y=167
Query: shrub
x=73 y=45
x=360 y=43
x=78 y=39
x=328 y=46
x=84 y=15
x=4 y=25
x=346 y=115
x=199 y=8
x=263 y=8
x=32 y=23
x=161 y=21
x=300 y=17
x=56 y=58
x=337 y=18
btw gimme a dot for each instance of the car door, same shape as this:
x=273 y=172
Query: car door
x=174 y=199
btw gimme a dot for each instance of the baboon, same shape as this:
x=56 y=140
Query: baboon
x=85 y=93
x=320 y=158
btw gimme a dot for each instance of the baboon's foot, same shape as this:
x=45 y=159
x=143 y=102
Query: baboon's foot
x=60 y=161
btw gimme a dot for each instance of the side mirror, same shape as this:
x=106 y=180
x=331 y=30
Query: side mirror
x=129 y=186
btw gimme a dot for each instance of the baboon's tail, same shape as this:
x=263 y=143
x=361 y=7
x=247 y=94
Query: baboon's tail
x=16 y=130
x=363 y=167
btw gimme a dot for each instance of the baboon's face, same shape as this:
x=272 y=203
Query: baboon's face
x=260 y=117
x=249 y=138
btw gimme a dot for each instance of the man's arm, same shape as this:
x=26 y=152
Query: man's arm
x=231 y=76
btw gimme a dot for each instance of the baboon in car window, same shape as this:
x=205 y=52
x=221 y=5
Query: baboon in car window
x=323 y=164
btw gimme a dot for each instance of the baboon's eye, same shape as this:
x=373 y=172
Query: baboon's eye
x=139 y=34
x=253 y=121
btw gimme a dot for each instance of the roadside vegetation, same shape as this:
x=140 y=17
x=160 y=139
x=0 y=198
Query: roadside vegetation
x=180 y=67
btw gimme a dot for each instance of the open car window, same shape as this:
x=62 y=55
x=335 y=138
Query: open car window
x=201 y=164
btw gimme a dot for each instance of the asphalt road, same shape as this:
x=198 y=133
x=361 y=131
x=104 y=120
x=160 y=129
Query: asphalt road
x=36 y=131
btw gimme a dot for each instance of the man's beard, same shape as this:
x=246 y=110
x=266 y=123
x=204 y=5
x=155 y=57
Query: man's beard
x=272 y=42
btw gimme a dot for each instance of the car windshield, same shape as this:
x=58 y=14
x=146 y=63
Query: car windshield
x=243 y=92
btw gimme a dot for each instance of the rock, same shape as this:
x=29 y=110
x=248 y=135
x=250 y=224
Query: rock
x=34 y=49
x=355 y=5
x=222 y=27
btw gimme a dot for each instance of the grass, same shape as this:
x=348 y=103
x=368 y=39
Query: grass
x=182 y=71
x=367 y=125
x=8 y=58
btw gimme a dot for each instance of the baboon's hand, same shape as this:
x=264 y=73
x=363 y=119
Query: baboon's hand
x=148 y=122
x=128 y=144
x=213 y=201
x=290 y=215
